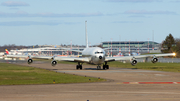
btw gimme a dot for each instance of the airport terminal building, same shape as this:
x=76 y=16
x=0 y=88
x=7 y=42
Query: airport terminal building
x=133 y=46
x=114 y=48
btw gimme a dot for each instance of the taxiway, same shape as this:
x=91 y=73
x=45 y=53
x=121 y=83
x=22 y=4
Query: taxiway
x=114 y=89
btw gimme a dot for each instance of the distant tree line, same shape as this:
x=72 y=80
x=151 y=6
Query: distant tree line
x=171 y=45
x=11 y=47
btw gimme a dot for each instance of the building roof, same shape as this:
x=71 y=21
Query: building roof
x=131 y=42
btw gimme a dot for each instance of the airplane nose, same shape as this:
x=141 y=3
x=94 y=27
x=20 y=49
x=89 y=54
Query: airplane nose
x=100 y=57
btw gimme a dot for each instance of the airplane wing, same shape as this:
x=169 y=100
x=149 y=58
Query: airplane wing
x=58 y=58
x=108 y=59
x=16 y=56
x=72 y=59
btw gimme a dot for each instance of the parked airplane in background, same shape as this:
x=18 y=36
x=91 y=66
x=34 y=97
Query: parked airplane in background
x=92 y=55
x=118 y=55
x=7 y=52
x=13 y=53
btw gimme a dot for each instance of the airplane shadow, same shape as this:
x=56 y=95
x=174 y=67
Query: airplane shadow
x=54 y=69
x=93 y=69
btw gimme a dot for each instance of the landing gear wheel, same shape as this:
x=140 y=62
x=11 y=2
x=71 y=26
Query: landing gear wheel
x=105 y=67
x=98 y=67
x=79 y=66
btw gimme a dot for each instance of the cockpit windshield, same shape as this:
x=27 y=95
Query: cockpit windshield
x=98 y=52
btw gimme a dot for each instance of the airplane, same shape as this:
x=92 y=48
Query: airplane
x=118 y=55
x=7 y=52
x=92 y=55
x=12 y=53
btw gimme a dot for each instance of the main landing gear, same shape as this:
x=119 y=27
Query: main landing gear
x=79 y=66
x=105 y=66
x=98 y=67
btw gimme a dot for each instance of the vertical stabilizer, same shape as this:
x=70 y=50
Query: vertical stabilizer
x=7 y=52
x=86 y=35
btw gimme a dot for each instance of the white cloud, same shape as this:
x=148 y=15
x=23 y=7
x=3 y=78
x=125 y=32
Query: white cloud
x=148 y=12
x=135 y=1
x=14 y=3
x=127 y=22
x=68 y=14
x=138 y=16
x=175 y=1
x=28 y=23
x=25 y=14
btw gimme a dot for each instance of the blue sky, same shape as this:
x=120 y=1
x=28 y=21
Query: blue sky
x=32 y=22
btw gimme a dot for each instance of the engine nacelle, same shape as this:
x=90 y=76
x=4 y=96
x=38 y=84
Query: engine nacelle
x=53 y=63
x=133 y=62
x=154 y=60
x=30 y=61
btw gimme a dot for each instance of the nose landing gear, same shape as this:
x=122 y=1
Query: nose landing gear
x=105 y=66
x=98 y=67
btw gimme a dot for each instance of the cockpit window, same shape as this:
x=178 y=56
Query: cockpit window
x=98 y=52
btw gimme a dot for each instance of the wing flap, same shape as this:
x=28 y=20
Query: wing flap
x=16 y=56
x=27 y=56
x=108 y=59
x=72 y=59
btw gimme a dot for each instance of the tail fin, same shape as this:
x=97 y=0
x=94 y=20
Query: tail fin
x=86 y=35
x=7 y=52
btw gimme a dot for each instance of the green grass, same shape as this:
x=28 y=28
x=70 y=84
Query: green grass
x=11 y=74
x=169 y=67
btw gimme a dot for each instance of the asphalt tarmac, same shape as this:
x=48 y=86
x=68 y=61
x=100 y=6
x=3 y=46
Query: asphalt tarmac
x=121 y=85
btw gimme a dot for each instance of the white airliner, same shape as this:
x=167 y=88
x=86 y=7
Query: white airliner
x=92 y=55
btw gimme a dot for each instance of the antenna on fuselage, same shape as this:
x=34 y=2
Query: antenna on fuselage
x=86 y=35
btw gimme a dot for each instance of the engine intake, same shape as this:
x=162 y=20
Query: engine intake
x=133 y=62
x=30 y=61
x=53 y=63
x=154 y=60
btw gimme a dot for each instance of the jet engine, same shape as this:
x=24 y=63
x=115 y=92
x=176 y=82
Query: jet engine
x=154 y=60
x=30 y=61
x=53 y=63
x=133 y=62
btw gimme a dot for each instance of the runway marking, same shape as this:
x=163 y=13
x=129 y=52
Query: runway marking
x=128 y=92
x=149 y=83
x=103 y=71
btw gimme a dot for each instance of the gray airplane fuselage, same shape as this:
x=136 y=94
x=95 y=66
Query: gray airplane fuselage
x=96 y=55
